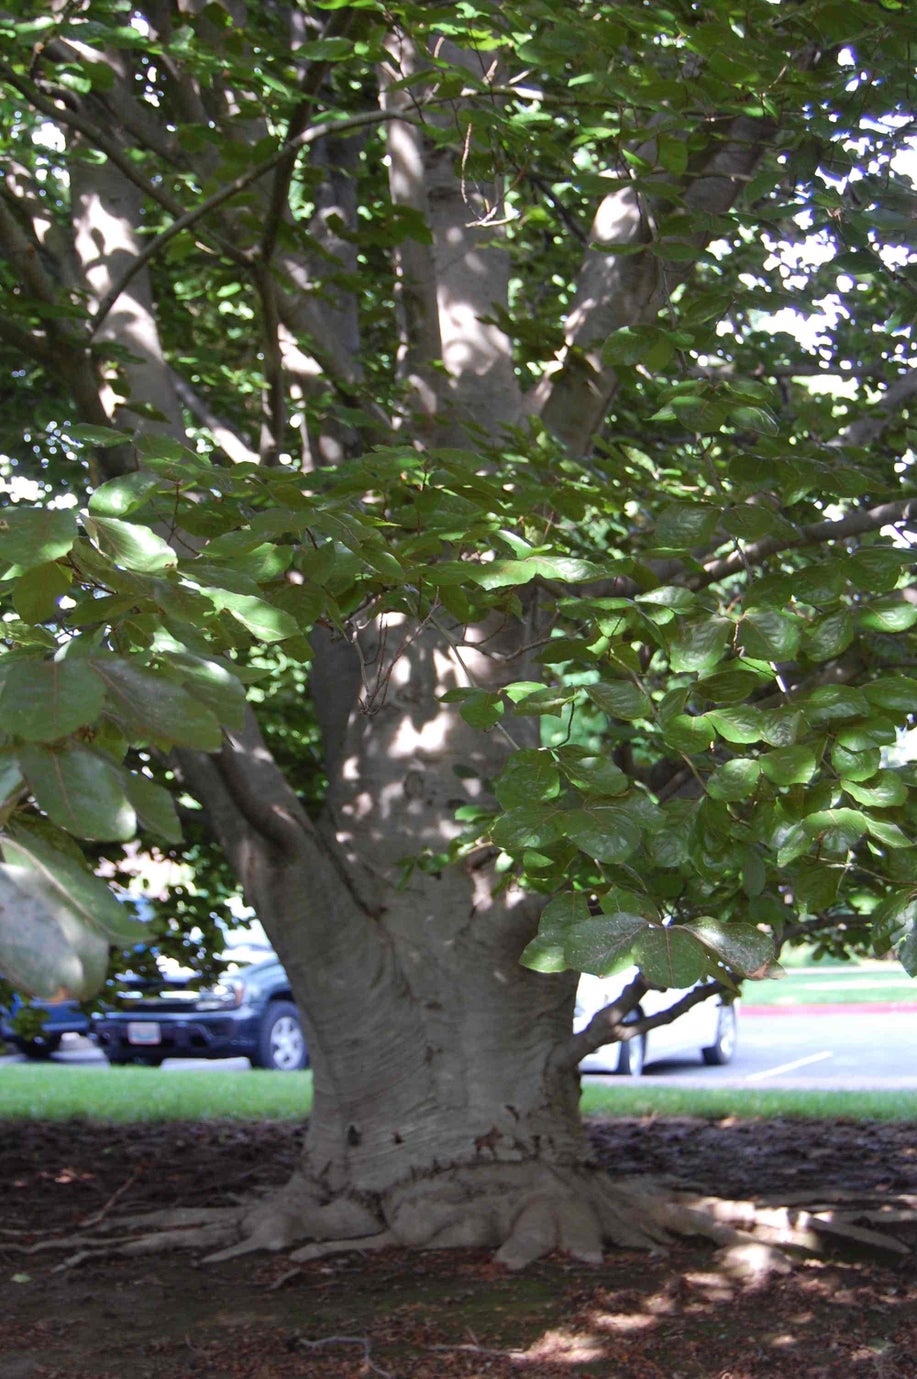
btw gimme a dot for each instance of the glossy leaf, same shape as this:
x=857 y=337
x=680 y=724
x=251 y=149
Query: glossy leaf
x=46 y=948
x=81 y=791
x=72 y=885
x=150 y=707
x=603 y=945
x=670 y=956
x=130 y=545
x=620 y=699
x=529 y=776
x=45 y=700
x=35 y=536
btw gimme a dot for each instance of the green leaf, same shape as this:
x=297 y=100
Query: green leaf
x=214 y=685
x=882 y=791
x=35 y=536
x=898 y=693
x=689 y=733
x=700 y=646
x=80 y=791
x=544 y=955
x=833 y=702
x=46 y=949
x=123 y=495
x=154 y=807
x=789 y=765
x=830 y=636
x=887 y=615
x=37 y=592
x=46 y=700
x=606 y=832
x=620 y=699
x=890 y=835
x=877 y=569
x=855 y=766
x=731 y=686
x=129 y=545
x=836 y=830
x=529 y=826
x=683 y=525
x=547 y=701
x=152 y=709
x=527 y=777
x=89 y=898
x=602 y=945
x=735 y=780
x=816 y=888
x=501 y=574
x=96 y=435
x=480 y=708
x=741 y=725
x=595 y=775
x=564 y=910
x=770 y=635
x=669 y=955
x=263 y=620
x=742 y=947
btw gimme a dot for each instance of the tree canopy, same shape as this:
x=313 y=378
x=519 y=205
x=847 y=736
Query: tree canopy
x=380 y=328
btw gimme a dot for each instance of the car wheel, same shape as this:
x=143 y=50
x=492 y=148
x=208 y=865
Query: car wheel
x=281 y=1044
x=723 y=1048
x=42 y=1046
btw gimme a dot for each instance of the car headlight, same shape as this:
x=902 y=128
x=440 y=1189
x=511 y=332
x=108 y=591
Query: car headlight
x=225 y=995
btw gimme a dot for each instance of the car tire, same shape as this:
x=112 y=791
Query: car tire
x=281 y=1043
x=723 y=1049
x=42 y=1046
x=632 y=1056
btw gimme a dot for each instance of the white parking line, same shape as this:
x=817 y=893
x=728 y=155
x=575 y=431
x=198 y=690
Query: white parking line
x=789 y=1067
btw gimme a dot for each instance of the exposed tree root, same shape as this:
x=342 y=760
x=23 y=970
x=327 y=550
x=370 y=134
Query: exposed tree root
x=521 y=1210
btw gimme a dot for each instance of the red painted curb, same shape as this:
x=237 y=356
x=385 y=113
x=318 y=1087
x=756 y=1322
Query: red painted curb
x=851 y=1008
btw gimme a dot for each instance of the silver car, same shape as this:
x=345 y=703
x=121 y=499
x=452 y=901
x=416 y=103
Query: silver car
x=709 y=1028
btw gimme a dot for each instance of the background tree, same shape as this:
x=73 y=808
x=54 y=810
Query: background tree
x=509 y=406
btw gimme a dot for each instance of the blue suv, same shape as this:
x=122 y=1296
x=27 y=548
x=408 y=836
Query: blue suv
x=40 y=1037
x=249 y=1012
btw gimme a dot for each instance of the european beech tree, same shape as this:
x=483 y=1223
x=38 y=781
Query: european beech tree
x=457 y=455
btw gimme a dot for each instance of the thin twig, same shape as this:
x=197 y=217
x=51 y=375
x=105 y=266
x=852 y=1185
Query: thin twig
x=103 y=1211
x=362 y=1341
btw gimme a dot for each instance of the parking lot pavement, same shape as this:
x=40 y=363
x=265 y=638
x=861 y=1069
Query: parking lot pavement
x=854 y=1048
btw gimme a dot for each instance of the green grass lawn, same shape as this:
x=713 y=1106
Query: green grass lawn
x=835 y=985
x=59 y=1092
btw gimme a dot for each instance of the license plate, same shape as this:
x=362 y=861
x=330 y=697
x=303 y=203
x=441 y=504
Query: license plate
x=143 y=1033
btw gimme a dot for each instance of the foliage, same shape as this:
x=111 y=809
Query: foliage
x=719 y=581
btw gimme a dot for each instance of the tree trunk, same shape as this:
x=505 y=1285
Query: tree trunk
x=442 y=1115
x=437 y=1110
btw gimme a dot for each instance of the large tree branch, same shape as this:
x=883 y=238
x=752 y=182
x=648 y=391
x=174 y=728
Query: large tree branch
x=338 y=24
x=420 y=343
x=233 y=445
x=26 y=343
x=623 y=282
x=868 y=428
x=815 y=534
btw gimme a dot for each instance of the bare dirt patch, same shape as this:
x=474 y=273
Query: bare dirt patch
x=444 y=1314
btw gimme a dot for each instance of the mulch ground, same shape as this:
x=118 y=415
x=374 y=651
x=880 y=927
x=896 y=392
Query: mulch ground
x=445 y=1315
